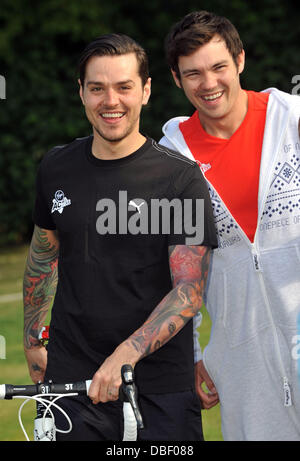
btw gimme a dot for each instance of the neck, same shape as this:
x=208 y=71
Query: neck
x=112 y=150
x=226 y=126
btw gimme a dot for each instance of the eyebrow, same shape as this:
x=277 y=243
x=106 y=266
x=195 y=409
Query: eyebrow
x=187 y=71
x=124 y=82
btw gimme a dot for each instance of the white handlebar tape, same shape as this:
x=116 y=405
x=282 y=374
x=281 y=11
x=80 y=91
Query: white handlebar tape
x=88 y=383
x=2 y=391
x=130 y=426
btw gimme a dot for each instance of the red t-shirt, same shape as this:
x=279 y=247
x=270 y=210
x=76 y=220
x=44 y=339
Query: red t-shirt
x=232 y=165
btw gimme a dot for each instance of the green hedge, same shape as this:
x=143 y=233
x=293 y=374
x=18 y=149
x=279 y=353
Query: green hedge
x=39 y=47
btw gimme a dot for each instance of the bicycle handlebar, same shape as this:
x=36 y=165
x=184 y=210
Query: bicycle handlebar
x=9 y=391
x=128 y=394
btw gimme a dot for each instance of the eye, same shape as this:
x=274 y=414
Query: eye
x=220 y=67
x=192 y=75
x=96 y=89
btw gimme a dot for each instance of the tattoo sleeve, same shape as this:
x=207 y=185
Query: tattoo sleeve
x=40 y=281
x=189 y=269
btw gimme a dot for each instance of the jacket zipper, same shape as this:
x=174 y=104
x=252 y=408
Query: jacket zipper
x=259 y=270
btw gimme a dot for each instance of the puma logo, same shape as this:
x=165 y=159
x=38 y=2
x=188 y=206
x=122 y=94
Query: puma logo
x=135 y=205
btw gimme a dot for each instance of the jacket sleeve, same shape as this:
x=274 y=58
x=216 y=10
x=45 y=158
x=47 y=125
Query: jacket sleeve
x=197 y=319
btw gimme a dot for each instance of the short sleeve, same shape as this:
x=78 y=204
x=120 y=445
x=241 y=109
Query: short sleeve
x=193 y=221
x=41 y=212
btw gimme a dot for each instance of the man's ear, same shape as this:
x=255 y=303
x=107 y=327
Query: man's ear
x=80 y=91
x=176 y=79
x=146 y=92
x=241 y=61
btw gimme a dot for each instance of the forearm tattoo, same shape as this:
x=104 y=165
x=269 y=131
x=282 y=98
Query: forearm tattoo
x=40 y=281
x=189 y=268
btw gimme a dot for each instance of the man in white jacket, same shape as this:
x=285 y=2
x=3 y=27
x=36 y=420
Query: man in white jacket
x=247 y=146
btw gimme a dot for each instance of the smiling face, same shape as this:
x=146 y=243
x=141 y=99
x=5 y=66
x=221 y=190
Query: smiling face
x=113 y=96
x=210 y=80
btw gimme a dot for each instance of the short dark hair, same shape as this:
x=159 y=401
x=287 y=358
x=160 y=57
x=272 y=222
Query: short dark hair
x=114 y=45
x=197 y=29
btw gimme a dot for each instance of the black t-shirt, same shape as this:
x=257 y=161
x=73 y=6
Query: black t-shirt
x=113 y=262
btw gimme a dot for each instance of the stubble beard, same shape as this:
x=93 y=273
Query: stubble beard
x=112 y=138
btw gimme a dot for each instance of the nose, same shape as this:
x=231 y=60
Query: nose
x=209 y=81
x=110 y=98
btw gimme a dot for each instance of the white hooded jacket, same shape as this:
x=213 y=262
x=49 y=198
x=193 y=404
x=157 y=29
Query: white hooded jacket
x=253 y=292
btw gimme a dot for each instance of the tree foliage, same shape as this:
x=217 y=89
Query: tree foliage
x=39 y=47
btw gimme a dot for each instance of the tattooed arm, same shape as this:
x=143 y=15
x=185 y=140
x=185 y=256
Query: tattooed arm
x=39 y=286
x=189 y=268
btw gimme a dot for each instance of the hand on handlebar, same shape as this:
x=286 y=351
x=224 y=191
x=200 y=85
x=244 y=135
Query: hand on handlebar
x=106 y=382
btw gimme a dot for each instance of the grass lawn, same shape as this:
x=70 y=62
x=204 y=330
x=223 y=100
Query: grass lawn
x=13 y=368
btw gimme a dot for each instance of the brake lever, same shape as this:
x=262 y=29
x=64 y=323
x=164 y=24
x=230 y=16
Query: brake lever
x=129 y=393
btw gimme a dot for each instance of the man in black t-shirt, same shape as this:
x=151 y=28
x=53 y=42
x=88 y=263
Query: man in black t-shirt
x=123 y=231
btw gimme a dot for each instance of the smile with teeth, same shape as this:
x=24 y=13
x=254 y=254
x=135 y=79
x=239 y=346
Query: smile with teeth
x=212 y=97
x=112 y=114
